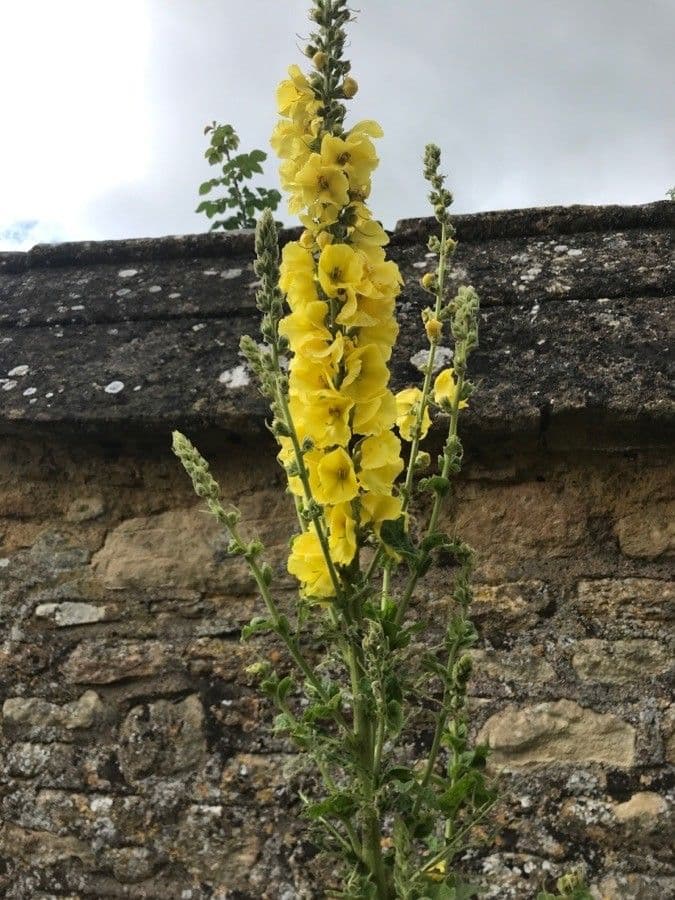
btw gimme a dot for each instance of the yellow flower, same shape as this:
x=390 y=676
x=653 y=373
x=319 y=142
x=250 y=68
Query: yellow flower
x=308 y=564
x=381 y=463
x=376 y=415
x=355 y=154
x=286 y=457
x=295 y=97
x=297 y=274
x=310 y=374
x=340 y=270
x=383 y=335
x=290 y=140
x=437 y=871
x=323 y=416
x=366 y=374
x=434 y=329
x=341 y=534
x=445 y=390
x=368 y=233
x=407 y=406
x=334 y=480
x=305 y=327
x=318 y=182
x=379 y=508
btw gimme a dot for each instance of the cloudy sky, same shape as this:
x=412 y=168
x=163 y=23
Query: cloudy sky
x=534 y=102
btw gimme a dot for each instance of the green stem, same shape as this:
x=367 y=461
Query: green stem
x=441 y=720
x=291 y=644
x=428 y=372
x=435 y=509
x=237 y=194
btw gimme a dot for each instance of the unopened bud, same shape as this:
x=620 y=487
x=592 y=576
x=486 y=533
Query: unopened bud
x=428 y=281
x=319 y=60
x=434 y=329
x=349 y=87
x=307 y=240
x=324 y=238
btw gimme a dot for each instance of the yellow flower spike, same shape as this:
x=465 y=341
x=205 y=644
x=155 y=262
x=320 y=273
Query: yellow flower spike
x=445 y=390
x=334 y=480
x=340 y=270
x=341 y=534
x=407 y=404
x=318 y=182
x=308 y=564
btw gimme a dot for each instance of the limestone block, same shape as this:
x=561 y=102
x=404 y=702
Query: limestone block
x=54 y=552
x=637 y=600
x=72 y=613
x=162 y=738
x=182 y=548
x=520 y=520
x=130 y=864
x=520 y=667
x=648 y=532
x=34 y=711
x=559 y=732
x=669 y=734
x=620 y=662
x=645 y=805
x=510 y=605
x=42 y=848
x=103 y=662
x=83 y=509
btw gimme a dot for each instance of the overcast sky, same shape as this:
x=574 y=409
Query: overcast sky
x=533 y=102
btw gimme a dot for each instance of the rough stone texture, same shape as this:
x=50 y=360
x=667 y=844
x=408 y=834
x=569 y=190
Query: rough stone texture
x=136 y=758
x=558 y=732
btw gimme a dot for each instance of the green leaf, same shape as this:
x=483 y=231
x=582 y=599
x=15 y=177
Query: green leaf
x=284 y=686
x=255 y=626
x=398 y=773
x=341 y=805
x=394 y=535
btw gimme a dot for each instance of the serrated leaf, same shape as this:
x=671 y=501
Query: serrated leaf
x=394 y=535
x=340 y=805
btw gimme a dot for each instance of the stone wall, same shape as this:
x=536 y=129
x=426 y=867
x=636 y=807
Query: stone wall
x=137 y=760
x=136 y=757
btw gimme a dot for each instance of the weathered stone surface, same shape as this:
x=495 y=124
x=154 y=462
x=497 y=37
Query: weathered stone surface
x=618 y=662
x=175 y=343
x=561 y=732
x=521 y=667
x=162 y=738
x=507 y=607
x=82 y=713
x=97 y=662
x=74 y=613
x=644 y=806
x=642 y=602
x=648 y=532
x=85 y=508
x=167 y=781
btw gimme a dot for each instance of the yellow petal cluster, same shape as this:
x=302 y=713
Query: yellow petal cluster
x=341 y=292
x=445 y=391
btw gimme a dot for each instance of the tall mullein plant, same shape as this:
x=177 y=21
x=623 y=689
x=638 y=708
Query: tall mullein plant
x=352 y=453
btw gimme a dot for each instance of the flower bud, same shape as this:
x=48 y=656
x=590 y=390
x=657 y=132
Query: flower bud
x=324 y=238
x=428 y=281
x=349 y=87
x=307 y=240
x=434 y=329
x=319 y=60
